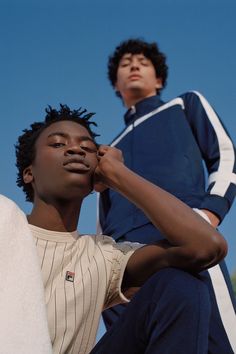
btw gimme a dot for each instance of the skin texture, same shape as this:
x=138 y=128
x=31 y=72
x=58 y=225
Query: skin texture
x=66 y=166
x=136 y=80
x=61 y=175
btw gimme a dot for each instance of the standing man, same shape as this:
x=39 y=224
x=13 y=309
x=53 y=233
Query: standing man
x=167 y=143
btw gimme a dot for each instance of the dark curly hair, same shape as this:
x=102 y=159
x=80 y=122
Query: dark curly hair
x=138 y=46
x=25 y=146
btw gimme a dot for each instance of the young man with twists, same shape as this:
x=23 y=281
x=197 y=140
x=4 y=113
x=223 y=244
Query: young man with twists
x=59 y=163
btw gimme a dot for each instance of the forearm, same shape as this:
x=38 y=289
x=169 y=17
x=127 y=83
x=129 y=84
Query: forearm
x=175 y=220
x=192 y=244
x=152 y=258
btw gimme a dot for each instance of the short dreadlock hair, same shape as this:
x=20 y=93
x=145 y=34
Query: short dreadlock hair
x=138 y=46
x=25 y=146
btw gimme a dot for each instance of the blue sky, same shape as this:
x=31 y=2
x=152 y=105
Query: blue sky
x=56 y=52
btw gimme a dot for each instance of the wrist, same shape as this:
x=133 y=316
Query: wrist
x=214 y=220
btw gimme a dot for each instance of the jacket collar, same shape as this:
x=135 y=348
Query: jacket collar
x=142 y=107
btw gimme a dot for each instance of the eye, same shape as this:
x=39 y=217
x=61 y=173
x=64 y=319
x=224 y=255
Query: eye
x=144 y=62
x=57 y=145
x=124 y=63
x=89 y=147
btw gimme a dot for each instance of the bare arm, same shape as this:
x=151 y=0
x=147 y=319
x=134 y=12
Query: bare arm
x=191 y=244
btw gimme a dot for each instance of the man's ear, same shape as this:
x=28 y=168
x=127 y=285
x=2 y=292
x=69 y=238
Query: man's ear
x=28 y=175
x=159 y=84
x=116 y=88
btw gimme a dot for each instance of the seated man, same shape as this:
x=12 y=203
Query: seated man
x=59 y=163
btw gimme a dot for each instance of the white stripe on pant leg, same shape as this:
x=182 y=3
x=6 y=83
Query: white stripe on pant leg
x=222 y=295
x=224 y=303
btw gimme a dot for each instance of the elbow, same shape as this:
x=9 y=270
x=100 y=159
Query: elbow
x=220 y=248
x=211 y=253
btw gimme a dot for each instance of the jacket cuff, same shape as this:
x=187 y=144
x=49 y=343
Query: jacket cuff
x=216 y=204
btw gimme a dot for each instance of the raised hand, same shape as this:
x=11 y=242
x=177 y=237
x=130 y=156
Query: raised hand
x=109 y=159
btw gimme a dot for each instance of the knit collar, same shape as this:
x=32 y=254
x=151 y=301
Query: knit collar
x=54 y=236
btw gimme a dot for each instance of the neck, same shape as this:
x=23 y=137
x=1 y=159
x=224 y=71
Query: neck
x=62 y=217
x=134 y=99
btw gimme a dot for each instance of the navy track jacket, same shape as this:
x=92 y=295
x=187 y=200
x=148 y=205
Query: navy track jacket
x=167 y=143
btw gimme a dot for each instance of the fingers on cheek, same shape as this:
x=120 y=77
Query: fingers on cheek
x=102 y=151
x=102 y=148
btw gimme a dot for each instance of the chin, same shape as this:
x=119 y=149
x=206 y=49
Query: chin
x=80 y=190
x=135 y=86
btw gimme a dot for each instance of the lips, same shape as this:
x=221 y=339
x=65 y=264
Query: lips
x=134 y=77
x=76 y=164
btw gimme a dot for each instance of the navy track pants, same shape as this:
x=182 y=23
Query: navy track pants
x=169 y=315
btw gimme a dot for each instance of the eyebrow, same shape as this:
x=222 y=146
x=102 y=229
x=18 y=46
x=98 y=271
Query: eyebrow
x=126 y=56
x=129 y=56
x=65 y=135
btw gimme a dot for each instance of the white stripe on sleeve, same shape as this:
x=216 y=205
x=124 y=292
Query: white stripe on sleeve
x=224 y=175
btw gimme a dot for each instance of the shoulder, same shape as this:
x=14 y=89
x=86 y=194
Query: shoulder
x=193 y=95
x=108 y=244
x=187 y=98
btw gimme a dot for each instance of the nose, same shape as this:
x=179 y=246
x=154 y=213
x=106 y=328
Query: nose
x=134 y=64
x=75 y=149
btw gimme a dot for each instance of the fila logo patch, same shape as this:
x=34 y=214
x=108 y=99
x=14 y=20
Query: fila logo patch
x=70 y=276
